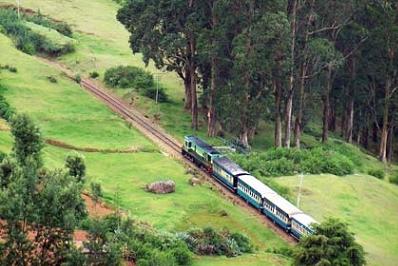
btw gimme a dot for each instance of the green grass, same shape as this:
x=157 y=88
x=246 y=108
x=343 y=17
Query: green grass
x=368 y=205
x=245 y=260
x=50 y=34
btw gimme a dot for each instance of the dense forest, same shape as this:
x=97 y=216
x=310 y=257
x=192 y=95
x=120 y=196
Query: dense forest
x=289 y=62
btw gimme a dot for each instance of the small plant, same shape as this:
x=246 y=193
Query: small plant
x=6 y=112
x=378 y=173
x=9 y=68
x=94 y=75
x=78 y=78
x=52 y=79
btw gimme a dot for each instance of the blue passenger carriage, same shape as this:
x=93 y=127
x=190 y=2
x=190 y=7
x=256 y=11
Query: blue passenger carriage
x=253 y=190
x=302 y=225
x=227 y=172
x=279 y=210
x=199 y=152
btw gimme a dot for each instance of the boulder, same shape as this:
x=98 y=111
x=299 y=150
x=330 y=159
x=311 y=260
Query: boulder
x=162 y=187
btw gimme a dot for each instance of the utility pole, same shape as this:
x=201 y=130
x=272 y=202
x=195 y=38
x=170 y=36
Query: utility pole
x=299 y=191
x=157 y=88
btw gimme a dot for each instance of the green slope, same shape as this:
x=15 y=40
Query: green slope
x=368 y=205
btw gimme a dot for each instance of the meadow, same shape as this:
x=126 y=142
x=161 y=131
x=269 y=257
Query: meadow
x=367 y=204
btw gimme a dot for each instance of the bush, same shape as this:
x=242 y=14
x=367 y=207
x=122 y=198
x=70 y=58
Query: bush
x=378 y=173
x=208 y=241
x=9 y=68
x=94 y=75
x=394 y=179
x=6 y=112
x=26 y=39
x=151 y=93
x=78 y=78
x=61 y=27
x=52 y=79
x=282 y=161
x=128 y=77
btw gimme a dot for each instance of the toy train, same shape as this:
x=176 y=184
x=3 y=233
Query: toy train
x=263 y=198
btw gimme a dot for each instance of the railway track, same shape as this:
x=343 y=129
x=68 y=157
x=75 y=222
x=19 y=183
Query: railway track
x=157 y=135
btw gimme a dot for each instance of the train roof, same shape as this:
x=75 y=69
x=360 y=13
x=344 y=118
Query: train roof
x=283 y=204
x=304 y=219
x=229 y=166
x=256 y=185
x=206 y=147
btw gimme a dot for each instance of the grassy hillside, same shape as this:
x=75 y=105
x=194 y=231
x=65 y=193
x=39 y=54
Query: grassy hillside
x=68 y=114
x=368 y=205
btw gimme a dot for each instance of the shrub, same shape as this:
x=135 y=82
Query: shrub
x=26 y=39
x=52 y=79
x=282 y=161
x=78 y=78
x=61 y=27
x=9 y=68
x=394 y=179
x=128 y=77
x=208 y=241
x=151 y=93
x=6 y=112
x=94 y=75
x=378 y=173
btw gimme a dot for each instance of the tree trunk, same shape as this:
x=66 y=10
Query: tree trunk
x=374 y=132
x=299 y=119
x=384 y=131
x=211 y=115
x=343 y=123
x=194 y=103
x=365 y=137
x=187 y=87
x=390 y=143
x=244 y=136
x=326 y=106
x=350 y=120
x=332 y=116
x=289 y=101
x=278 y=121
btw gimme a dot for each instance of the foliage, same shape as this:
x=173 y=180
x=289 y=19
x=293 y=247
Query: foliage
x=379 y=173
x=96 y=191
x=282 y=161
x=44 y=21
x=6 y=111
x=9 y=68
x=331 y=244
x=124 y=238
x=78 y=78
x=151 y=93
x=45 y=204
x=208 y=241
x=75 y=164
x=94 y=75
x=28 y=140
x=394 y=179
x=128 y=77
x=26 y=39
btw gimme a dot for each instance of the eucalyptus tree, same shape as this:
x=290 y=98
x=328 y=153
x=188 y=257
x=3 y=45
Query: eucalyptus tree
x=166 y=32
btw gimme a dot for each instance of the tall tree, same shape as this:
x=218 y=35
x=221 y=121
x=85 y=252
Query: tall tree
x=166 y=32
